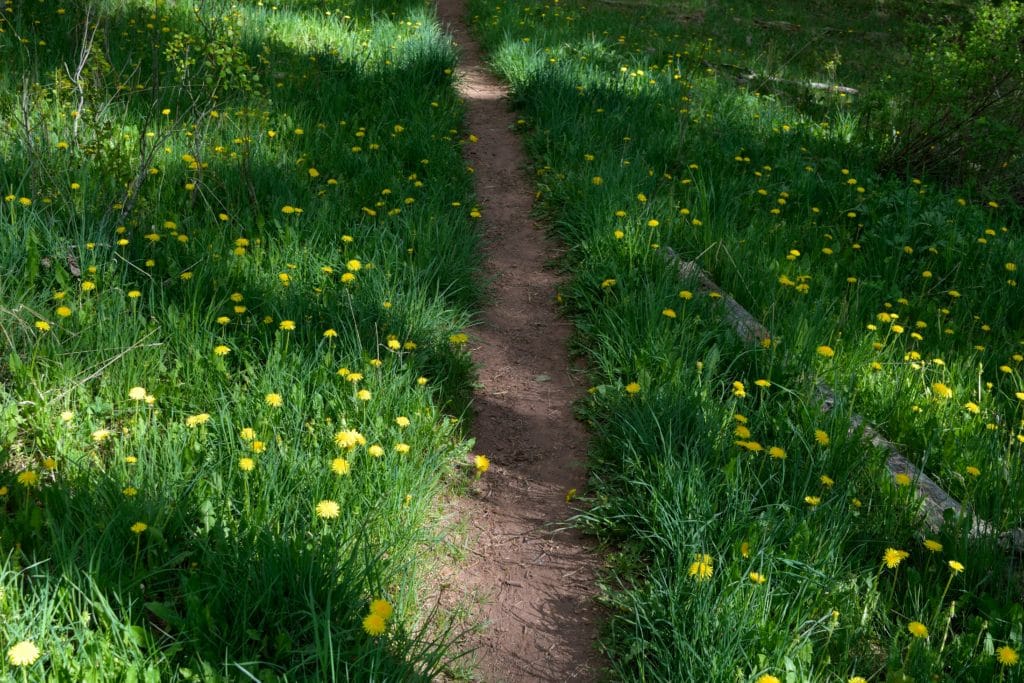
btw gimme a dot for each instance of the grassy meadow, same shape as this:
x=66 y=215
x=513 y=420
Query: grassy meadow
x=752 y=537
x=236 y=246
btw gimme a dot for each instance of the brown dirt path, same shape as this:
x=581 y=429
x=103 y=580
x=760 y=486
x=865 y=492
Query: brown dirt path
x=537 y=582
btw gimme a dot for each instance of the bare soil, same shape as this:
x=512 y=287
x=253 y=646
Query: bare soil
x=536 y=576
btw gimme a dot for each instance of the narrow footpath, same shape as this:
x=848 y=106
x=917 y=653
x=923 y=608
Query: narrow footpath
x=536 y=580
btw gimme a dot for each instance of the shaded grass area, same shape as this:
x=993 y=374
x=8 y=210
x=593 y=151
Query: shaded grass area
x=236 y=245
x=756 y=538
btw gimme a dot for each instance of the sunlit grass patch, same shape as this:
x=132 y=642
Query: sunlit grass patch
x=236 y=249
x=752 y=528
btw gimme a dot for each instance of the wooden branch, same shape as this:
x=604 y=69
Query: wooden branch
x=935 y=501
x=745 y=76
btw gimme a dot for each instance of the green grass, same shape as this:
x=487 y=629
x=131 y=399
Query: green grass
x=785 y=199
x=235 y=246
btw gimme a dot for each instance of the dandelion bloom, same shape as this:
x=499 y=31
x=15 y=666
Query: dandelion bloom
x=63 y=311
x=402 y=421
x=364 y=395
x=902 y=479
x=633 y=388
x=376 y=450
x=340 y=466
x=892 y=557
x=24 y=653
x=858 y=679
x=973 y=471
x=101 y=435
x=767 y=678
x=374 y=624
x=941 y=390
x=933 y=546
x=139 y=527
x=812 y=500
x=28 y=478
x=826 y=481
x=481 y=463
x=917 y=629
x=274 y=400
x=1007 y=656
x=702 y=568
x=825 y=351
x=763 y=383
x=348 y=439
x=955 y=566
x=777 y=453
x=381 y=608
x=137 y=394
x=246 y=464
x=287 y=325
x=193 y=420
x=221 y=350
x=757 y=577
x=327 y=509
x=821 y=437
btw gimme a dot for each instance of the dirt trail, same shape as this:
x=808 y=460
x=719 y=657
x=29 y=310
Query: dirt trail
x=537 y=583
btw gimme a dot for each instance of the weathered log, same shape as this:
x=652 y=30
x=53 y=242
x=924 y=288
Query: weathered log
x=935 y=501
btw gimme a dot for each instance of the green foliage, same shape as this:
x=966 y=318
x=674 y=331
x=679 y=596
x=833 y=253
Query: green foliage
x=235 y=247
x=964 y=115
x=749 y=528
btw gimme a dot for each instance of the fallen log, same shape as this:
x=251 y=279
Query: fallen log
x=745 y=76
x=935 y=501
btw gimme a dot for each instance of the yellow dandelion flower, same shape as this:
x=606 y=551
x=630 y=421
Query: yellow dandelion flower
x=941 y=390
x=195 y=420
x=24 y=653
x=821 y=437
x=917 y=629
x=402 y=421
x=28 y=478
x=221 y=350
x=341 y=467
x=382 y=608
x=757 y=577
x=374 y=625
x=286 y=325
x=139 y=527
x=1007 y=656
x=328 y=509
x=633 y=388
x=702 y=567
x=348 y=439
x=892 y=557
x=246 y=464
x=137 y=394
x=376 y=450
x=826 y=351
x=777 y=453
x=481 y=463
x=955 y=566
x=813 y=501
x=274 y=400
x=933 y=546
